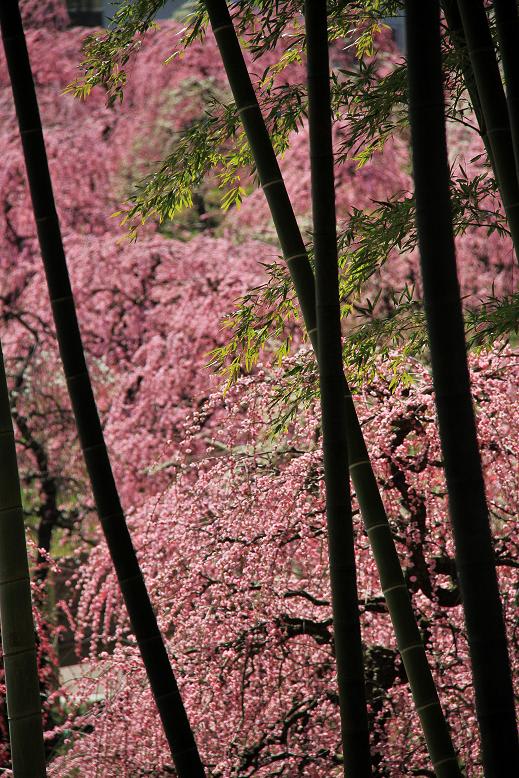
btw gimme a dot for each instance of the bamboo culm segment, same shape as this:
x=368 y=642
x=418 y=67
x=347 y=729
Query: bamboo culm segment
x=17 y=625
x=507 y=21
x=372 y=509
x=346 y=619
x=457 y=36
x=493 y=107
x=467 y=501
x=142 y=617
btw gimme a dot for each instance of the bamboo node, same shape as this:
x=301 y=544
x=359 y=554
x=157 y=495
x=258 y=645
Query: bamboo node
x=6 y=510
x=150 y=639
x=91 y=448
x=248 y=107
x=61 y=299
x=392 y=588
x=428 y=705
x=411 y=648
x=378 y=526
x=20 y=651
x=271 y=183
x=137 y=577
x=25 y=715
x=174 y=693
x=302 y=255
x=222 y=27
x=74 y=376
x=497 y=129
x=447 y=759
x=360 y=462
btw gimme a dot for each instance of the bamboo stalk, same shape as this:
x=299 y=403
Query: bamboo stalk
x=468 y=508
x=346 y=619
x=17 y=626
x=507 y=20
x=142 y=617
x=457 y=35
x=393 y=584
x=493 y=106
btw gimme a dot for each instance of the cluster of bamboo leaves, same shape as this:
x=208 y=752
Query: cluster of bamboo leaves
x=375 y=108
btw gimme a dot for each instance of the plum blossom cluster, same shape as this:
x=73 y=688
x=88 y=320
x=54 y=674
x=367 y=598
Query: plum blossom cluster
x=234 y=551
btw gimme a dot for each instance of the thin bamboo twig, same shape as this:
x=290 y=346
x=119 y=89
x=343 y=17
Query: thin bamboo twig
x=17 y=625
x=345 y=601
x=467 y=501
x=375 y=519
x=142 y=617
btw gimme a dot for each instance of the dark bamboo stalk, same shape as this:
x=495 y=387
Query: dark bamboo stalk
x=17 y=626
x=346 y=619
x=493 y=106
x=467 y=501
x=457 y=35
x=372 y=509
x=143 y=620
x=507 y=20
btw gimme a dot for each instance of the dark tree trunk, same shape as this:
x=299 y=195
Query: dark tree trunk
x=17 y=626
x=346 y=620
x=467 y=500
x=143 y=620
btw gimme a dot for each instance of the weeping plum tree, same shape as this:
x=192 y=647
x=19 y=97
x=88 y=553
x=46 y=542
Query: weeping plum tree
x=468 y=507
x=346 y=622
x=17 y=625
x=143 y=620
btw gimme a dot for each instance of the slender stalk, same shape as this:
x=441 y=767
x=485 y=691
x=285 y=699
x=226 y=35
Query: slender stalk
x=372 y=509
x=467 y=501
x=493 y=106
x=143 y=620
x=507 y=20
x=457 y=35
x=17 y=626
x=346 y=619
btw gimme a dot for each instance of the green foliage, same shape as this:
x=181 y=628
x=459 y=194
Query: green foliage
x=374 y=105
x=264 y=319
x=496 y=318
x=107 y=54
x=213 y=143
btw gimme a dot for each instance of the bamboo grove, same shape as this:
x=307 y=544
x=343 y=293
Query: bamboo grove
x=315 y=275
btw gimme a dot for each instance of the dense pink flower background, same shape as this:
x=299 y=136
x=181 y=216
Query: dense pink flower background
x=228 y=523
